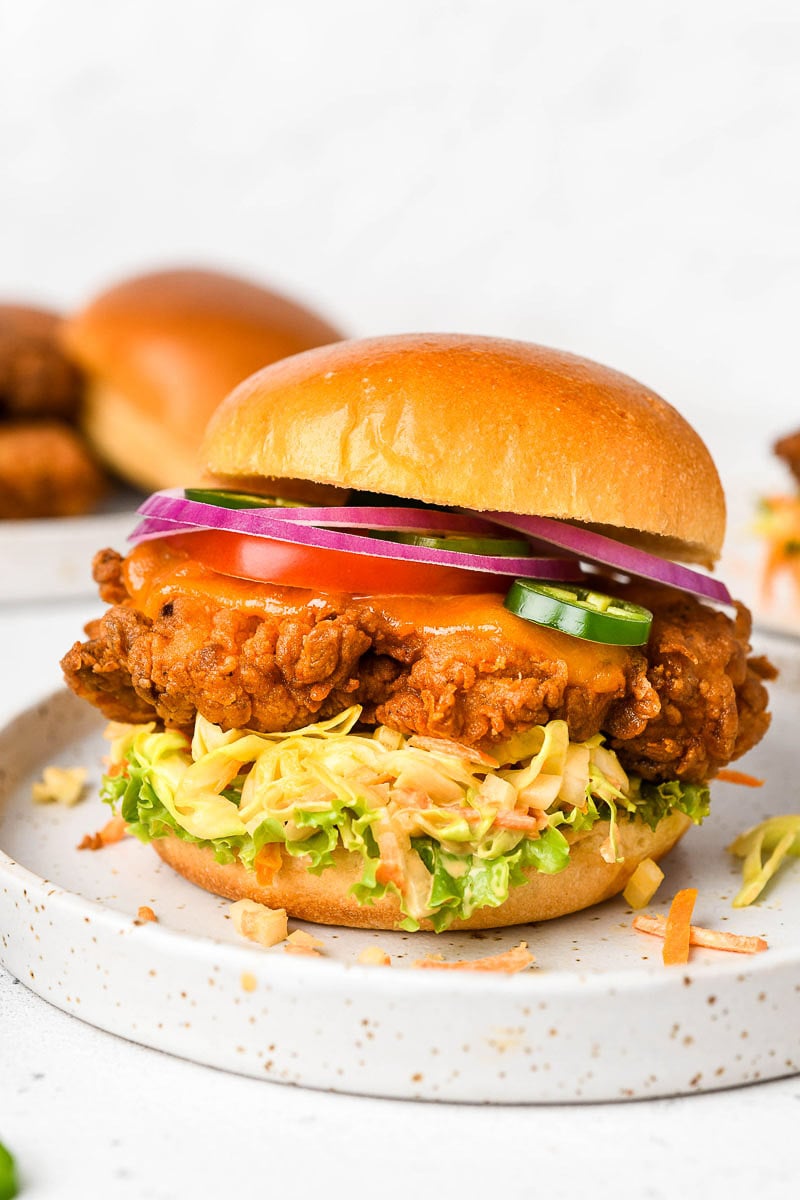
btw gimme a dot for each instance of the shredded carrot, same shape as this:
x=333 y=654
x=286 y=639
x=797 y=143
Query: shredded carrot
x=457 y=749
x=739 y=777
x=676 y=929
x=390 y=872
x=507 y=818
x=267 y=863
x=511 y=819
x=510 y=961
x=146 y=913
x=710 y=939
x=113 y=831
x=391 y=868
x=412 y=798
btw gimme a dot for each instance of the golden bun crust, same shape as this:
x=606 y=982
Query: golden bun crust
x=325 y=898
x=163 y=349
x=479 y=423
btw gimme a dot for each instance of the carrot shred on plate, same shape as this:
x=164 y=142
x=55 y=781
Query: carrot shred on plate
x=709 y=939
x=677 y=927
x=739 y=777
x=113 y=831
x=510 y=961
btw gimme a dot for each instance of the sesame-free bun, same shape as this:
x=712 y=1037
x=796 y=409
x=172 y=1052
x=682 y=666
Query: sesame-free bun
x=162 y=350
x=479 y=423
x=326 y=899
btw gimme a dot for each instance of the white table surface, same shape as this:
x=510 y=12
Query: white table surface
x=90 y=1115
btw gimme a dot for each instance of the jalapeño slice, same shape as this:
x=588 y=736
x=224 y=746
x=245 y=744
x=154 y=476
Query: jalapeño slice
x=506 y=547
x=580 y=612
x=223 y=498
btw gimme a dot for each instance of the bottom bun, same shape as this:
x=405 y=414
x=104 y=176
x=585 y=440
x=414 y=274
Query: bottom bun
x=325 y=898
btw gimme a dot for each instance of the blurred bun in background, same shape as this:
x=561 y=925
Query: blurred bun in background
x=161 y=350
x=46 y=470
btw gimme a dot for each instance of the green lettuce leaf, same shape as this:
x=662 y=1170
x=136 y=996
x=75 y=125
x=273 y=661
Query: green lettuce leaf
x=655 y=801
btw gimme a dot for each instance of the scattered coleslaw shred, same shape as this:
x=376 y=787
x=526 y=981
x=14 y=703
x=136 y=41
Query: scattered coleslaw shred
x=709 y=939
x=763 y=849
x=509 y=962
x=60 y=785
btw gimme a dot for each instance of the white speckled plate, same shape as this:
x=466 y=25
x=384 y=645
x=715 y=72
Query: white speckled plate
x=598 y=1018
x=48 y=559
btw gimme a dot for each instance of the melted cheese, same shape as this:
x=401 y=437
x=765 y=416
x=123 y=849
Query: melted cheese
x=155 y=574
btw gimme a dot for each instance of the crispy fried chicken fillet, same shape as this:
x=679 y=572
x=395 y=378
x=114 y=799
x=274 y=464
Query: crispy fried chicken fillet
x=46 y=471
x=788 y=448
x=681 y=708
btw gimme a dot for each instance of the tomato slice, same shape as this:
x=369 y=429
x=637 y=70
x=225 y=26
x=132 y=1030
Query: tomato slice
x=246 y=557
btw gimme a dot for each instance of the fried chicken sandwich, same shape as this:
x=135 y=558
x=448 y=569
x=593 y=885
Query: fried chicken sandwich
x=477 y=694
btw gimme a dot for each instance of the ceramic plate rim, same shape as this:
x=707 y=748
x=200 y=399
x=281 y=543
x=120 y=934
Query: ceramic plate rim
x=558 y=981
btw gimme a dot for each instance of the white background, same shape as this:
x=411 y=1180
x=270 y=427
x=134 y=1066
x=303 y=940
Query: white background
x=618 y=179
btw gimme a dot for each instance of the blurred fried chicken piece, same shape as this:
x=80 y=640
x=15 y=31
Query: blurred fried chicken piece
x=788 y=448
x=682 y=707
x=46 y=471
x=36 y=377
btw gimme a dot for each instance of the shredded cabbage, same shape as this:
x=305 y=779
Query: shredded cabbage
x=763 y=848
x=436 y=825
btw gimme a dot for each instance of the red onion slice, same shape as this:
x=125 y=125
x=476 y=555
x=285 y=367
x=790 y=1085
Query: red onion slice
x=166 y=515
x=597 y=548
x=172 y=505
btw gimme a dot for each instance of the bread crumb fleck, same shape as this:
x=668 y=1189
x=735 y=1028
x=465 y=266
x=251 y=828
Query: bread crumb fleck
x=60 y=785
x=266 y=926
x=249 y=982
x=301 y=942
x=113 y=831
x=146 y=913
x=373 y=956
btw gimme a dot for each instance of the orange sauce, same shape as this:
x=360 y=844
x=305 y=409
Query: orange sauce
x=155 y=574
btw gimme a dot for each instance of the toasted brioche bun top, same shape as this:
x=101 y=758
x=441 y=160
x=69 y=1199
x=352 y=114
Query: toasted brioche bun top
x=479 y=423
x=163 y=349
